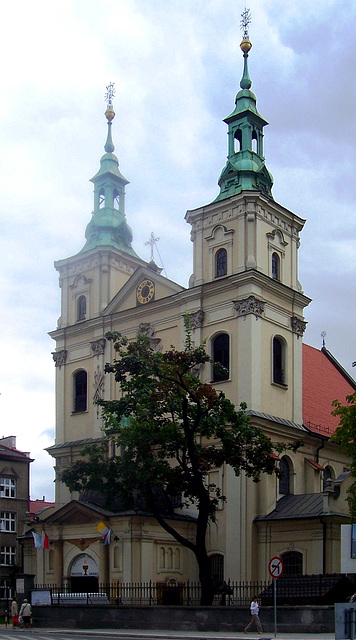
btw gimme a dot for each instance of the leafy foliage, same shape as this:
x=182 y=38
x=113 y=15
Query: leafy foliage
x=170 y=430
x=345 y=436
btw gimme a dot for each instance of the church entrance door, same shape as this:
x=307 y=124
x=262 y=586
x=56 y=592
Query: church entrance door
x=84 y=574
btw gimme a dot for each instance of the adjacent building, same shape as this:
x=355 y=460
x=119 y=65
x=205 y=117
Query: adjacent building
x=14 y=508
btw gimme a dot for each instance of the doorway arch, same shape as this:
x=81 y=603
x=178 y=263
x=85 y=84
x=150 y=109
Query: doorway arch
x=84 y=574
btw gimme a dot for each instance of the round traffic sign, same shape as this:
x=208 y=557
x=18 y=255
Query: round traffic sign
x=275 y=567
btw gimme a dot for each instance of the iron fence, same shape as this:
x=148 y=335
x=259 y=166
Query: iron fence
x=308 y=589
x=156 y=593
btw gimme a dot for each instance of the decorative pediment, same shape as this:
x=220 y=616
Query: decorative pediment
x=75 y=512
x=134 y=295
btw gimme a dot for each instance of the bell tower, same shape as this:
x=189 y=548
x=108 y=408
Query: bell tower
x=245 y=264
x=91 y=278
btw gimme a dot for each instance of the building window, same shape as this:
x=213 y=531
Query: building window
x=8 y=521
x=7 y=488
x=238 y=140
x=116 y=200
x=279 y=361
x=292 y=563
x=7 y=555
x=276 y=270
x=284 y=480
x=217 y=568
x=80 y=391
x=82 y=308
x=101 y=198
x=221 y=263
x=221 y=356
x=6 y=590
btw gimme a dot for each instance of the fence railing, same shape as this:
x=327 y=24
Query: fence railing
x=156 y=593
x=312 y=589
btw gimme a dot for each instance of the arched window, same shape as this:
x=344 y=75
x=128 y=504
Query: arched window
x=221 y=357
x=284 y=480
x=238 y=140
x=220 y=263
x=279 y=357
x=101 y=198
x=116 y=200
x=276 y=270
x=80 y=391
x=292 y=563
x=217 y=567
x=254 y=142
x=81 y=308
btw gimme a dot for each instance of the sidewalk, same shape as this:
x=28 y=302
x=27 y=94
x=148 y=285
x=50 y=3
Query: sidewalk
x=152 y=634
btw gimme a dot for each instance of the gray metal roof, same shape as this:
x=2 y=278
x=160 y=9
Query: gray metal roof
x=76 y=443
x=267 y=416
x=305 y=505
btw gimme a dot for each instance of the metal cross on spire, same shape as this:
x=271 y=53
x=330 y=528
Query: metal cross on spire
x=152 y=242
x=245 y=21
x=110 y=92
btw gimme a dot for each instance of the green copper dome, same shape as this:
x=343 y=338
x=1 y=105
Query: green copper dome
x=245 y=169
x=108 y=226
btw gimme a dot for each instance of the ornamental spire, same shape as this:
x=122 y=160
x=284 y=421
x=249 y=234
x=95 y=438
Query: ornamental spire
x=245 y=169
x=110 y=115
x=108 y=226
x=245 y=47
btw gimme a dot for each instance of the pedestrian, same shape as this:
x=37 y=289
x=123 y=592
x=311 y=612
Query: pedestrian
x=14 y=613
x=254 y=610
x=25 y=613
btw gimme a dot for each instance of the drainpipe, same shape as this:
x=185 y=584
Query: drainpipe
x=323 y=440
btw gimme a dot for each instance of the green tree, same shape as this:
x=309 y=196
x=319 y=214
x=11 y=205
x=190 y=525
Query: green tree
x=345 y=436
x=171 y=430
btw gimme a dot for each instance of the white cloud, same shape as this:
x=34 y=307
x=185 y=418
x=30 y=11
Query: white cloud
x=177 y=67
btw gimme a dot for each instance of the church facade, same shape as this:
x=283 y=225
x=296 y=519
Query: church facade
x=245 y=300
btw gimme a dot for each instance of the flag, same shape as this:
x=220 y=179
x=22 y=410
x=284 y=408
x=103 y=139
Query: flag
x=105 y=532
x=45 y=540
x=107 y=537
x=102 y=528
x=37 y=540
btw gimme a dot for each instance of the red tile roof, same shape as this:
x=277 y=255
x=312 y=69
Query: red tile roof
x=324 y=380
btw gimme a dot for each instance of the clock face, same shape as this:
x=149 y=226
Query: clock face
x=145 y=291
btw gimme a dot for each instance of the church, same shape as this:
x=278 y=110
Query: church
x=245 y=301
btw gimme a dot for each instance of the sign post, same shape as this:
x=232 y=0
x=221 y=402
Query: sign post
x=275 y=568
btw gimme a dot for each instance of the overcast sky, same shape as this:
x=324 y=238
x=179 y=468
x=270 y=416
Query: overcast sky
x=176 y=65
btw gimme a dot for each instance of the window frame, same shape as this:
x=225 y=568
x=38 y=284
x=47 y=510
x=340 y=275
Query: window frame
x=279 y=361
x=292 y=558
x=81 y=308
x=8 y=522
x=286 y=478
x=276 y=266
x=7 y=556
x=9 y=485
x=221 y=263
x=216 y=376
x=79 y=406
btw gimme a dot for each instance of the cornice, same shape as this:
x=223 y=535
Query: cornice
x=254 y=197
x=98 y=252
